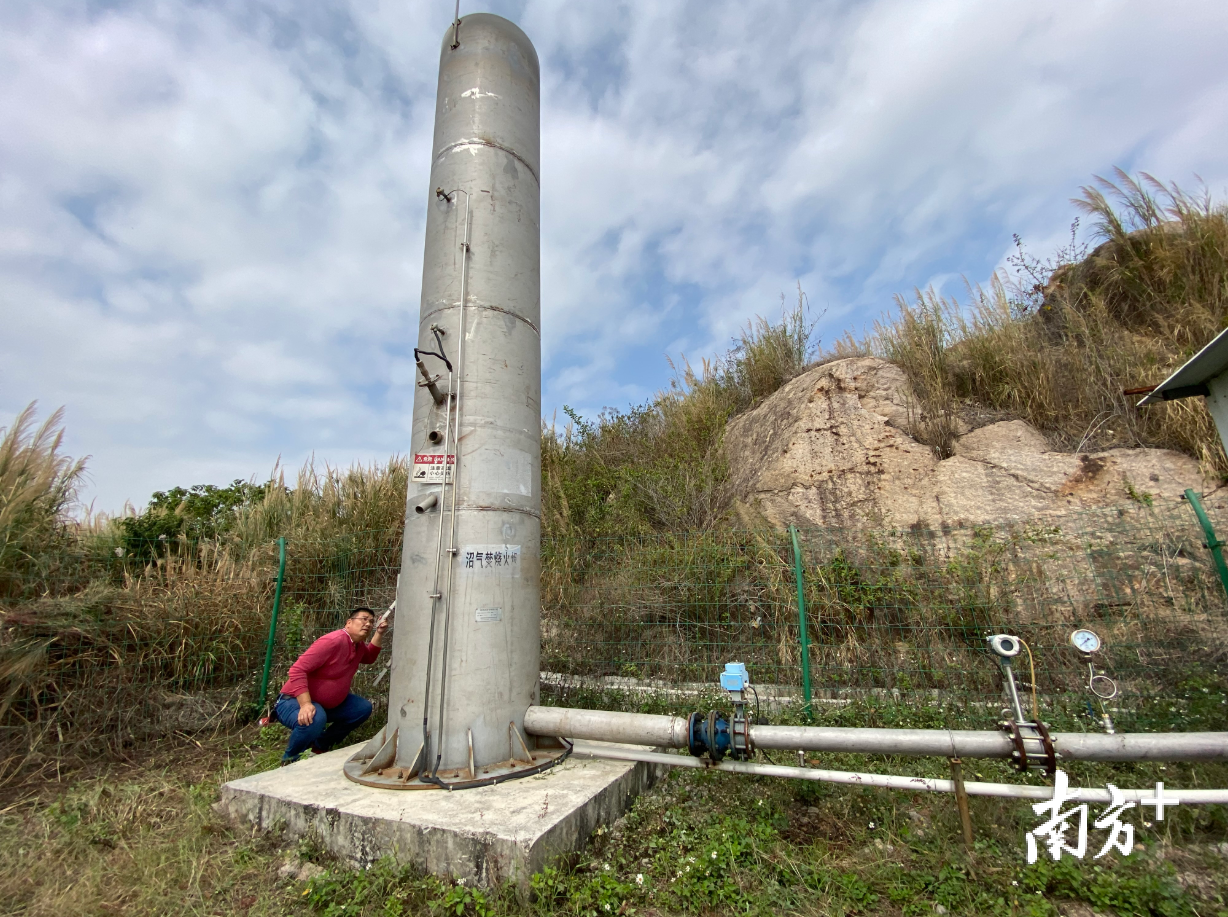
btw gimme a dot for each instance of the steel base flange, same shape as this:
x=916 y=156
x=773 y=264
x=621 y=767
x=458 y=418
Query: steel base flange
x=409 y=778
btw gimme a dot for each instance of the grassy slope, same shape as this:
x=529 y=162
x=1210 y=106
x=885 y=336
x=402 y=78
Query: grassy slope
x=1060 y=343
x=658 y=466
x=1056 y=344
x=141 y=839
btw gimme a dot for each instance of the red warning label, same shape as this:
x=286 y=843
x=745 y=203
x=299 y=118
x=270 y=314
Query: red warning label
x=431 y=468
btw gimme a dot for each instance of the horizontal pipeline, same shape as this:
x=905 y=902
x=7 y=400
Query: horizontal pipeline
x=889 y=781
x=671 y=732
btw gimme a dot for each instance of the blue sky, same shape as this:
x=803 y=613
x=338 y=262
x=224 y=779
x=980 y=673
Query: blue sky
x=211 y=213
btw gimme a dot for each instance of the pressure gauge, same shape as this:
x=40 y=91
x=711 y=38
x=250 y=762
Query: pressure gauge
x=1085 y=641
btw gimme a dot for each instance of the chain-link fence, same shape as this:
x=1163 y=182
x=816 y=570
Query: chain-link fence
x=113 y=647
x=323 y=581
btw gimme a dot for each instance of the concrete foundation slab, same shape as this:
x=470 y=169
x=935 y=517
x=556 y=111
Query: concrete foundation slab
x=482 y=836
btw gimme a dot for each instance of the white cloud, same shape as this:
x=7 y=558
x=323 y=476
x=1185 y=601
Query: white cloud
x=211 y=216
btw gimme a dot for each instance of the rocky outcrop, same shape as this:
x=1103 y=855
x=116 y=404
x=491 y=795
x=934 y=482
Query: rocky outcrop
x=832 y=448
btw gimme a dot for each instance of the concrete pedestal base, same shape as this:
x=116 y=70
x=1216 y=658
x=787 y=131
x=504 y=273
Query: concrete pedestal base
x=483 y=836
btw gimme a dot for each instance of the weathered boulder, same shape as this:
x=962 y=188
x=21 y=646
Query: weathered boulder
x=832 y=448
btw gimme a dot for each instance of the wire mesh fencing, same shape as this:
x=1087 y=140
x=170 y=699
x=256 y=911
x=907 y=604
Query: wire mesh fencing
x=669 y=609
x=909 y=611
x=901 y=614
x=324 y=580
x=109 y=648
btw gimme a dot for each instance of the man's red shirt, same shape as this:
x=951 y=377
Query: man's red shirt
x=327 y=668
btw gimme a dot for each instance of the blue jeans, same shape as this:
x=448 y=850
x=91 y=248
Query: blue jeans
x=328 y=728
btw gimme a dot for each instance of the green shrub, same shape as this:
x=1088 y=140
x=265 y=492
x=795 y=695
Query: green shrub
x=201 y=512
x=658 y=466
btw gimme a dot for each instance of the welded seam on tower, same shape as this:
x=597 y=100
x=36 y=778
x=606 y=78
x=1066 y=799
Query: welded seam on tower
x=488 y=307
x=462 y=144
x=500 y=509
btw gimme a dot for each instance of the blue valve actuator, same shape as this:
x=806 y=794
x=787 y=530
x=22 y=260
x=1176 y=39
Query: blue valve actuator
x=735 y=677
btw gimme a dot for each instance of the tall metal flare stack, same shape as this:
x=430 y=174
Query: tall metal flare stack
x=466 y=646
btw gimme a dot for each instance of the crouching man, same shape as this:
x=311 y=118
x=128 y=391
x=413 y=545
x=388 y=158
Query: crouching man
x=316 y=704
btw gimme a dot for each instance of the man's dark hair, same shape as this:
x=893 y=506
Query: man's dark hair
x=359 y=610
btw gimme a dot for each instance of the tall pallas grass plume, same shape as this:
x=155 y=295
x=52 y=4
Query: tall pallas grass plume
x=326 y=504
x=1060 y=349
x=38 y=492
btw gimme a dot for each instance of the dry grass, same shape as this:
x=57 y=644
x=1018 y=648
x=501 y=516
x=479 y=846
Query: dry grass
x=325 y=505
x=767 y=355
x=658 y=467
x=106 y=650
x=1061 y=352
x=94 y=672
x=139 y=838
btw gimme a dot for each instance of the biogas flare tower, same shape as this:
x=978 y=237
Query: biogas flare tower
x=466 y=648
x=465 y=652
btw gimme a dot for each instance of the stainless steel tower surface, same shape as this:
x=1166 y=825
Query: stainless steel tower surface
x=466 y=645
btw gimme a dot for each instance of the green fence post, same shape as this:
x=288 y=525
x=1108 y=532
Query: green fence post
x=1212 y=542
x=268 y=650
x=802 y=636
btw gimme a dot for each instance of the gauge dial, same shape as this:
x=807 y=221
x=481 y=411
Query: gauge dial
x=1085 y=641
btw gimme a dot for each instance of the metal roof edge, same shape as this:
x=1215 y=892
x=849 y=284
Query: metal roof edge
x=1213 y=359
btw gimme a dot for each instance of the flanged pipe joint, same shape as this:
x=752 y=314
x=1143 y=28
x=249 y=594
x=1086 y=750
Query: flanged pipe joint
x=709 y=736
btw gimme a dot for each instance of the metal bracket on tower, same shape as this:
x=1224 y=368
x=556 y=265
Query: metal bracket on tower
x=429 y=381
